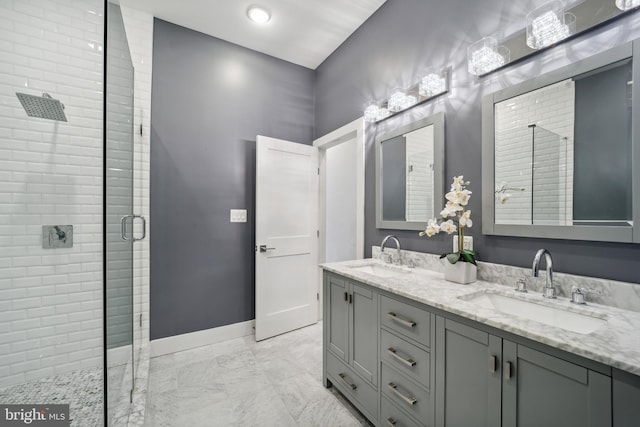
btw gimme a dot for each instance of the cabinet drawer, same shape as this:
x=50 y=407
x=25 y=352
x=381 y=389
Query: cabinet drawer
x=406 y=319
x=406 y=394
x=361 y=394
x=405 y=357
x=391 y=416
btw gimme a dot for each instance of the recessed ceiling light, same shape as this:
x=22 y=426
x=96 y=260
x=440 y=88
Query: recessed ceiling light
x=258 y=14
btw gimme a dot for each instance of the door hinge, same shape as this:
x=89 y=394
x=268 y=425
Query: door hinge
x=318 y=171
x=318 y=233
x=318 y=296
x=140 y=319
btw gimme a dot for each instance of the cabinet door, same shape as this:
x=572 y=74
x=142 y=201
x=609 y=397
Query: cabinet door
x=364 y=351
x=467 y=376
x=543 y=390
x=338 y=317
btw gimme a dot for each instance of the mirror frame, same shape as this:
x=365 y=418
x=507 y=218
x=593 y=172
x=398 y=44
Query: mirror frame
x=570 y=232
x=437 y=120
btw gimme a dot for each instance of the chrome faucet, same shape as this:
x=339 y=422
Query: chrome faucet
x=384 y=242
x=549 y=291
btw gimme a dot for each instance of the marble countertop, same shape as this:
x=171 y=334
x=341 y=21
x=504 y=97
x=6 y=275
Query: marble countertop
x=616 y=343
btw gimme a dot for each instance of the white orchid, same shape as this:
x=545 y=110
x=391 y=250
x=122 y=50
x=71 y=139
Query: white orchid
x=501 y=192
x=460 y=197
x=448 y=227
x=458 y=183
x=450 y=210
x=432 y=228
x=453 y=210
x=465 y=219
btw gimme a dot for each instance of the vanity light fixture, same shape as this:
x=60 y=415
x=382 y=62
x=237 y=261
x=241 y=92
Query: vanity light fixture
x=485 y=56
x=548 y=24
x=627 y=4
x=258 y=14
x=374 y=113
x=399 y=101
x=430 y=86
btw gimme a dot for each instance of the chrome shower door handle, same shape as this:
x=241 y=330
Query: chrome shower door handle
x=123 y=226
x=144 y=227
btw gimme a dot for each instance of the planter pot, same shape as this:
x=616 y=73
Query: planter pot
x=460 y=272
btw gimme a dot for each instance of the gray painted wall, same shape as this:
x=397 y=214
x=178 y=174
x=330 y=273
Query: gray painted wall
x=394 y=47
x=394 y=179
x=210 y=100
x=602 y=158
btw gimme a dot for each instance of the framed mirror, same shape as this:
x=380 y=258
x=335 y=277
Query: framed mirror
x=410 y=174
x=560 y=152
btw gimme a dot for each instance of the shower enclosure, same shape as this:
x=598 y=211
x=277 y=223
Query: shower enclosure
x=537 y=181
x=67 y=209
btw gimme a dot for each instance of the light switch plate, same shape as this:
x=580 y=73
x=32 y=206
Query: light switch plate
x=468 y=243
x=57 y=236
x=238 y=215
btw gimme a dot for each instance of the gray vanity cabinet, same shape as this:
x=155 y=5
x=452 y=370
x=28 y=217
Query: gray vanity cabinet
x=351 y=338
x=542 y=390
x=468 y=383
x=484 y=380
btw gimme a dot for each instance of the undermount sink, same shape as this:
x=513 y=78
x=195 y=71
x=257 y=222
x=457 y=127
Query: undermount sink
x=539 y=312
x=380 y=270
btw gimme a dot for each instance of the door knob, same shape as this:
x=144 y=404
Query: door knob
x=264 y=248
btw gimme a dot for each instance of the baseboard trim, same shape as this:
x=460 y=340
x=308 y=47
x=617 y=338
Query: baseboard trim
x=119 y=356
x=182 y=342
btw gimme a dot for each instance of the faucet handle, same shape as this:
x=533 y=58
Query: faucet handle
x=578 y=294
x=521 y=285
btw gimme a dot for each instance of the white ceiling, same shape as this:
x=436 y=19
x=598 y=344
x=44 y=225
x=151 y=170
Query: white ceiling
x=304 y=32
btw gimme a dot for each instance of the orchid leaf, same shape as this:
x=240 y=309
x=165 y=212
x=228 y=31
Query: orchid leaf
x=453 y=258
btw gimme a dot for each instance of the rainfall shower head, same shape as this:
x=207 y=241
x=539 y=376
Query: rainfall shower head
x=43 y=107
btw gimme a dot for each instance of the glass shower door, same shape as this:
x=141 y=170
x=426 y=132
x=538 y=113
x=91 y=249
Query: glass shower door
x=119 y=219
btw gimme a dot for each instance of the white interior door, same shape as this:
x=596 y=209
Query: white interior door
x=286 y=236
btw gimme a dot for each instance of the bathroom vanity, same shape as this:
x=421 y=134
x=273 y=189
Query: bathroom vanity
x=409 y=349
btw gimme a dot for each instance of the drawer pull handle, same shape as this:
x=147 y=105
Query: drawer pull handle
x=409 y=400
x=391 y=422
x=396 y=318
x=409 y=362
x=347 y=383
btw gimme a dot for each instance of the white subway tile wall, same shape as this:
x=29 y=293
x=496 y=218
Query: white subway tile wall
x=419 y=161
x=139 y=27
x=50 y=173
x=551 y=109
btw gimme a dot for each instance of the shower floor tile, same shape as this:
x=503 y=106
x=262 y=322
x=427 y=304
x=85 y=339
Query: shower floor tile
x=275 y=382
x=82 y=390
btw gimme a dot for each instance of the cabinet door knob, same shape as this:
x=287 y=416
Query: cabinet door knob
x=391 y=422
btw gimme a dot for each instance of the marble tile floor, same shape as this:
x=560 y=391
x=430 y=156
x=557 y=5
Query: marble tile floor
x=82 y=390
x=276 y=382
